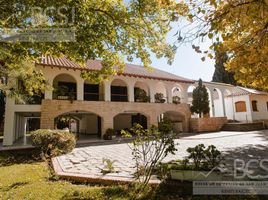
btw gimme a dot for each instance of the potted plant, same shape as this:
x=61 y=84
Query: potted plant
x=176 y=99
x=109 y=134
x=140 y=95
x=159 y=98
x=62 y=92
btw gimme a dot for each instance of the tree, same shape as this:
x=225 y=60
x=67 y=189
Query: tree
x=200 y=103
x=241 y=27
x=220 y=74
x=150 y=147
x=109 y=30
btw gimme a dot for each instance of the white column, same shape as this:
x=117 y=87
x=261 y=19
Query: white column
x=130 y=91
x=211 y=102
x=49 y=93
x=107 y=90
x=80 y=89
x=248 y=115
x=9 y=126
x=223 y=104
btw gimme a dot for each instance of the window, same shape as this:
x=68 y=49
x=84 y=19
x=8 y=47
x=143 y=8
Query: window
x=91 y=92
x=240 y=106
x=119 y=93
x=254 y=106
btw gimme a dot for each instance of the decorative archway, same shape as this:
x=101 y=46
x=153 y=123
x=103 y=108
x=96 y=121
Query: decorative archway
x=141 y=92
x=93 y=91
x=65 y=87
x=218 y=102
x=119 y=90
x=190 y=90
x=127 y=119
x=177 y=94
x=80 y=122
x=177 y=119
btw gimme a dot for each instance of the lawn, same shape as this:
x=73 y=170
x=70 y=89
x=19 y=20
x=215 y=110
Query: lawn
x=24 y=176
x=31 y=179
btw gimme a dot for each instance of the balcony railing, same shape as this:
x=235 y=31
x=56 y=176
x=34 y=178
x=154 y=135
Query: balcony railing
x=65 y=96
x=93 y=96
x=119 y=97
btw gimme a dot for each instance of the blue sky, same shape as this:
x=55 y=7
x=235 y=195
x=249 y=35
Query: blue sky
x=187 y=62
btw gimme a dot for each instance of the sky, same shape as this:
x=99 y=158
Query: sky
x=187 y=62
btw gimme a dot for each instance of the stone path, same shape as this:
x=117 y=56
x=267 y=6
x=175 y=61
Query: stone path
x=88 y=161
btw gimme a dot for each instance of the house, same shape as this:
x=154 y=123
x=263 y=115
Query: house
x=135 y=96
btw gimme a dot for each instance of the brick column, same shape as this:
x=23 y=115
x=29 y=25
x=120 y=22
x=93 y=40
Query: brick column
x=151 y=93
x=107 y=122
x=169 y=94
x=152 y=120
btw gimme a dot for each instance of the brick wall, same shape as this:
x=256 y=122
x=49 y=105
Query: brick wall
x=50 y=109
x=211 y=124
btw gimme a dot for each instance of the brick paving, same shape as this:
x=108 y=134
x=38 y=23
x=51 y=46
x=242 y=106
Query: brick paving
x=88 y=161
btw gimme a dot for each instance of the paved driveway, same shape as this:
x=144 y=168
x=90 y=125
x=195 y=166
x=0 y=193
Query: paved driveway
x=88 y=161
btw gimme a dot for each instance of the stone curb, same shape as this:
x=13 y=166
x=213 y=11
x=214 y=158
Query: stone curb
x=90 y=178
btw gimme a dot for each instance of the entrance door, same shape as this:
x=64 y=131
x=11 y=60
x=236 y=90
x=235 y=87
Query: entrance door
x=139 y=119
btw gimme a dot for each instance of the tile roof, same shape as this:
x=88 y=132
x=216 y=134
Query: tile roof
x=130 y=69
x=239 y=91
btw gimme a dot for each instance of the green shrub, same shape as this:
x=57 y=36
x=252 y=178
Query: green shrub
x=213 y=156
x=53 y=142
x=197 y=154
x=109 y=134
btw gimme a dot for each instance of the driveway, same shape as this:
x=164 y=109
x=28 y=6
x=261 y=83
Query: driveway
x=87 y=162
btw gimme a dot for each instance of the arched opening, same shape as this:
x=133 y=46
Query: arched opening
x=190 y=94
x=177 y=120
x=119 y=91
x=160 y=95
x=93 y=91
x=217 y=102
x=65 y=87
x=176 y=94
x=127 y=119
x=141 y=92
x=81 y=123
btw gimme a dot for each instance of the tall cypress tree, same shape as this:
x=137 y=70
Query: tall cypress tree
x=200 y=103
x=220 y=74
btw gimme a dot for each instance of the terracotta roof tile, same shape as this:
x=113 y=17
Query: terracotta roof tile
x=130 y=69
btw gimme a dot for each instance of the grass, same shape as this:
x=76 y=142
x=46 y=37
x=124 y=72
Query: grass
x=24 y=176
